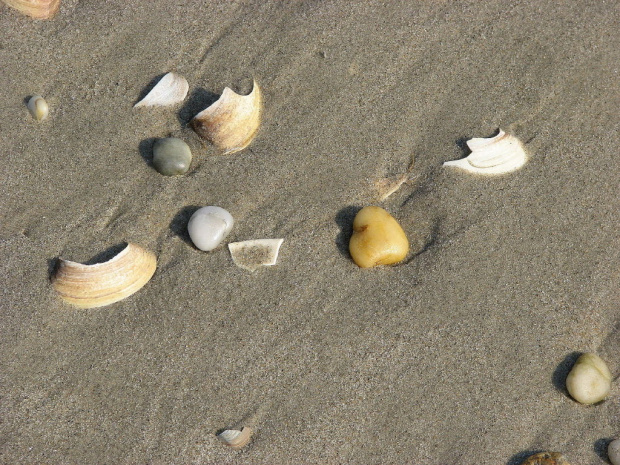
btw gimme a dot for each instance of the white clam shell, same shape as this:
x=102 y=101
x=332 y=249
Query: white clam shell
x=208 y=227
x=38 y=9
x=38 y=108
x=232 y=121
x=494 y=155
x=171 y=89
x=589 y=381
x=90 y=286
x=613 y=452
x=235 y=438
x=250 y=255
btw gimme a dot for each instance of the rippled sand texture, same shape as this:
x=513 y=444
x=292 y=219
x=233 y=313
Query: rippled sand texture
x=456 y=356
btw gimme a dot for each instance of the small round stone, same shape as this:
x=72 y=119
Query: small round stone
x=171 y=156
x=613 y=452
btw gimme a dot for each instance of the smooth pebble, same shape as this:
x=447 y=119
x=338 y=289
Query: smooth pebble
x=589 y=381
x=171 y=156
x=613 y=452
x=38 y=108
x=208 y=227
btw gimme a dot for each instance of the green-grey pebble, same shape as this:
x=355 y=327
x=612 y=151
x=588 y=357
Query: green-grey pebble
x=171 y=156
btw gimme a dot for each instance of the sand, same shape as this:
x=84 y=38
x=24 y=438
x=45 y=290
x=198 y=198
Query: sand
x=457 y=356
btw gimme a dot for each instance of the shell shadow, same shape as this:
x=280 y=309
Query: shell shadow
x=561 y=372
x=107 y=254
x=344 y=220
x=146 y=150
x=198 y=100
x=600 y=448
x=178 y=225
x=52 y=266
x=517 y=459
x=149 y=87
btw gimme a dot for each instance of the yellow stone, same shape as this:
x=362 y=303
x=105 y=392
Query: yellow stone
x=377 y=238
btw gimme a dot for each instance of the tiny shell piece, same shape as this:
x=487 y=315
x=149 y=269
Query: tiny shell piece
x=232 y=121
x=234 y=438
x=546 y=458
x=171 y=89
x=613 y=452
x=250 y=255
x=209 y=226
x=494 y=155
x=38 y=9
x=90 y=286
x=38 y=108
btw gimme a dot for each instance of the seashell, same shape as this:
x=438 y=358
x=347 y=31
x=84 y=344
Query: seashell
x=589 y=381
x=494 y=155
x=235 y=438
x=251 y=255
x=171 y=89
x=89 y=286
x=208 y=227
x=613 y=452
x=377 y=238
x=38 y=9
x=546 y=458
x=38 y=108
x=232 y=121
x=171 y=156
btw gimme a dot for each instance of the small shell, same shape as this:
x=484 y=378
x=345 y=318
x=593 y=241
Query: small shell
x=171 y=89
x=209 y=226
x=89 y=286
x=232 y=121
x=38 y=9
x=37 y=106
x=613 y=452
x=589 y=381
x=495 y=155
x=235 y=438
x=250 y=255
x=546 y=458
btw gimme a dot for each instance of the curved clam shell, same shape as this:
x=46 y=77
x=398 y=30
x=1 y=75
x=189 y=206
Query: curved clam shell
x=89 y=286
x=235 y=438
x=232 y=121
x=494 y=155
x=38 y=108
x=170 y=89
x=38 y=9
x=546 y=458
x=250 y=255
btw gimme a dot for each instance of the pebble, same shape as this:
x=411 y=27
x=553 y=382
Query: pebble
x=171 y=156
x=589 y=381
x=377 y=238
x=208 y=227
x=613 y=452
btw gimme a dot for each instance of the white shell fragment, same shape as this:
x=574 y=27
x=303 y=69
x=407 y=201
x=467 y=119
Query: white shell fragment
x=38 y=108
x=232 y=121
x=234 y=438
x=613 y=452
x=171 y=89
x=494 y=155
x=208 y=227
x=589 y=381
x=250 y=255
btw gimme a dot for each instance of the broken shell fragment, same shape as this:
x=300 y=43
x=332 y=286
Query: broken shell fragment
x=171 y=89
x=209 y=226
x=90 y=286
x=589 y=381
x=546 y=458
x=494 y=155
x=377 y=238
x=232 y=121
x=38 y=108
x=38 y=9
x=613 y=452
x=250 y=255
x=234 y=438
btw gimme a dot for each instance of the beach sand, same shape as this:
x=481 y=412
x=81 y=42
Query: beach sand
x=457 y=356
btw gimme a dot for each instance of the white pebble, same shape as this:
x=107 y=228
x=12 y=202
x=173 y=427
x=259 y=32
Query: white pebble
x=208 y=227
x=589 y=381
x=613 y=452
